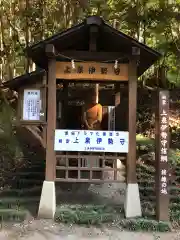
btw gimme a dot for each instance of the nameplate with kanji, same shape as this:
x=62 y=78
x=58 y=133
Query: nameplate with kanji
x=91 y=71
x=91 y=141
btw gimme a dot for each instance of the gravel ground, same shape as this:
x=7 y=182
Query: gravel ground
x=47 y=230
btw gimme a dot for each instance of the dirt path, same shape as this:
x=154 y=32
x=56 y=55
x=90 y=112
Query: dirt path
x=47 y=230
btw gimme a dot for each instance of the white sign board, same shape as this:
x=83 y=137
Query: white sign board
x=91 y=141
x=31 y=105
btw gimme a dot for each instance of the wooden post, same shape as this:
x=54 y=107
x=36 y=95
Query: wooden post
x=117 y=94
x=64 y=104
x=162 y=149
x=51 y=115
x=132 y=203
x=47 y=206
x=131 y=158
x=93 y=48
x=94 y=31
x=44 y=131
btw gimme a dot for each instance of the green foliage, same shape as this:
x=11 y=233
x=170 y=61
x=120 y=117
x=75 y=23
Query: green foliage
x=174 y=157
x=12 y=215
x=88 y=214
x=97 y=215
x=11 y=154
x=145 y=225
x=8 y=141
x=144 y=141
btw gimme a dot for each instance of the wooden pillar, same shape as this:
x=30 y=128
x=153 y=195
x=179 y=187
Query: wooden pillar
x=65 y=104
x=44 y=131
x=132 y=203
x=117 y=97
x=131 y=157
x=117 y=94
x=47 y=206
x=51 y=115
x=94 y=30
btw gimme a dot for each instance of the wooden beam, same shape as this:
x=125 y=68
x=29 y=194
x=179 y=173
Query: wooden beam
x=64 y=104
x=131 y=158
x=94 y=20
x=92 y=56
x=94 y=31
x=51 y=116
x=50 y=50
x=93 y=35
x=117 y=94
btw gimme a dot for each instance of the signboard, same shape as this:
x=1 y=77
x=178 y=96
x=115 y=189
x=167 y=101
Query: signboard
x=31 y=105
x=91 y=141
x=91 y=71
x=162 y=170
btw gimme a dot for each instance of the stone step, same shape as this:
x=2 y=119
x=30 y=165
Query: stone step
x=26 y=183
x=19 y=200
x=13 y=215
x=35 y=175
x=36 y=191
x=35 y=168
x=17 y=203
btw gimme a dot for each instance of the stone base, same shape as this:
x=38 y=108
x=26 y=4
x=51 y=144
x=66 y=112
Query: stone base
x=47 y=206
x=132 y=201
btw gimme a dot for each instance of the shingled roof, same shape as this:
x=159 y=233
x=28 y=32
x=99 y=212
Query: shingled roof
x=109 y=40
x=25 y=79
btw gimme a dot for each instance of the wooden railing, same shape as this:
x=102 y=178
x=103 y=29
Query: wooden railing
x=89 y=167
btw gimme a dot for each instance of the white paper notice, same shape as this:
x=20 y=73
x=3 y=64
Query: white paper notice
x=31 y=105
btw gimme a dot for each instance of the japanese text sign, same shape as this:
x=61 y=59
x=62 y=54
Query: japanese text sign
x=91 y=141
x=91 y=71
x=162 y=170
x=31 y=105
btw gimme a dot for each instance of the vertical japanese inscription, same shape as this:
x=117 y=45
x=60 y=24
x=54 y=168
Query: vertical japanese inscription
x=162 y=149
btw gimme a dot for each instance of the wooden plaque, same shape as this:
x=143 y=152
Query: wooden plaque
x=91 y=71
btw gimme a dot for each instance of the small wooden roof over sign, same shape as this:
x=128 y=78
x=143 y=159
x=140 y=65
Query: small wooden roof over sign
x=76 y=39
x=23 y=80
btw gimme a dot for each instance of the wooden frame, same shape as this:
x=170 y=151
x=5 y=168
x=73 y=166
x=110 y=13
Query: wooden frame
x=51 y=157
x=66 y=169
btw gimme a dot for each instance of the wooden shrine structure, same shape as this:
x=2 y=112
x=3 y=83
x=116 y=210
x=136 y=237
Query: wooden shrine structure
x=67 y=64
